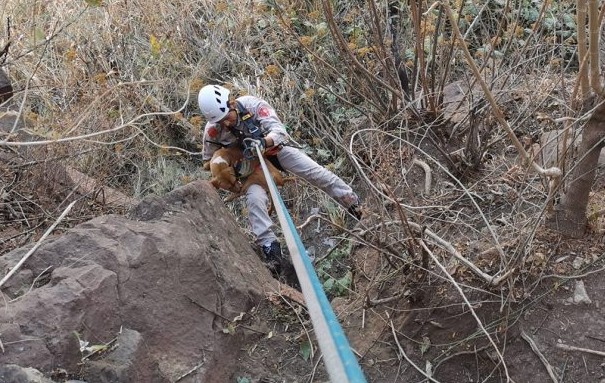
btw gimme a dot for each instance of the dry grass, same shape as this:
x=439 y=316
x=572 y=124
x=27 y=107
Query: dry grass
x=132 y=69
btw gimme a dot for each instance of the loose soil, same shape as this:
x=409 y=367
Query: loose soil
x=395 y=338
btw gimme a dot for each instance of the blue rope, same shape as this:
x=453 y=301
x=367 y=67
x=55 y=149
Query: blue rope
x=340 y=361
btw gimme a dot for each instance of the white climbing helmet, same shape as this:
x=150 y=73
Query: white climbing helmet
x=214 y=102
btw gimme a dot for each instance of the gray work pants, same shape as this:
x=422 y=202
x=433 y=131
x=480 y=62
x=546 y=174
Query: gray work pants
x=298 y=163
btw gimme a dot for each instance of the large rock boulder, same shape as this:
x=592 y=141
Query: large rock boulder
x=151 y=292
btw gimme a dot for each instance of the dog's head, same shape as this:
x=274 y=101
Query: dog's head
x=227 y=181
x=223 y=174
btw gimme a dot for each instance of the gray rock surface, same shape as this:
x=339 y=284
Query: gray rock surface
x=156 y=288
x=16 y=374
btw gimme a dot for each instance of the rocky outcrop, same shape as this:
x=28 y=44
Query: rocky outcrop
x=143 y=298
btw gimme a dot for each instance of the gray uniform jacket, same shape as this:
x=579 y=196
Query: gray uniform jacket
x=291 y=159
x=216 y=137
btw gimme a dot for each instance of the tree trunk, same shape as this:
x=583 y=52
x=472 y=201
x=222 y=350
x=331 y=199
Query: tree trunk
x=569 y=217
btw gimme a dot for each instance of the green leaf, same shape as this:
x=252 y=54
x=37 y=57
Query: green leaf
x=329 y=284
x=550 y=23
x=305 y=350
x=94 y=3
x=39 y=34
x=344 y=283
x=230 y=329
x=324 y=154
x=530 y=14
x=569 y=21
x=425 y=345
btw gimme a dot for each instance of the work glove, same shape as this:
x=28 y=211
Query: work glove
x=250 y=143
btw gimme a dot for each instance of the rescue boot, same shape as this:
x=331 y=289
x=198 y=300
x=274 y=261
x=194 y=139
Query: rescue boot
x=273 y=257
x=279 y=265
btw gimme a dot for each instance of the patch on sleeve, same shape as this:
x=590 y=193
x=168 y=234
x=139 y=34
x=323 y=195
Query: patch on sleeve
x=212 y=132
x=264 y=112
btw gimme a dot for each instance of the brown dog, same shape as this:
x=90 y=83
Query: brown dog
x=222 y=167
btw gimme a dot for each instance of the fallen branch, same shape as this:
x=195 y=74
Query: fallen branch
x=37 y=245
x=189 y=372
x=495 y=280
x=470 y=352
x=534 y=348
x=307 y=221
x=492 y=280
x=573 y=348
x=283 y=290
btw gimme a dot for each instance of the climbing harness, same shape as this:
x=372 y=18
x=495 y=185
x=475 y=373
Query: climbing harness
x=245 y=129
x=339 y=360
x=244 y=168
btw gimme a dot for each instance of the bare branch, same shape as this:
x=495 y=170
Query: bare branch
x=37 y=245
x=535 y=349
x=553 y=172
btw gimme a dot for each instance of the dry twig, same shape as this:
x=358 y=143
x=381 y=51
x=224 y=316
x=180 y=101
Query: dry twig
x=552 y=172
x=536 y=350
x=186 y=374
x=427 y=175
x=573 y=348
x=37 y=245
x=402 y=352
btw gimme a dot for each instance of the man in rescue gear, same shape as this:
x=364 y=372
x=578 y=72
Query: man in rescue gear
x=248 y=120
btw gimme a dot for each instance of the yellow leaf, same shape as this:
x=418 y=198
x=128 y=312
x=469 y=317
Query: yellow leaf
x=31 y=116
x=100 y=78
x=196 y=121
x=306 y=40
x=272 y=70
x=156 y=46
x=196 y=84
x=94 y=3
x=71 y=54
